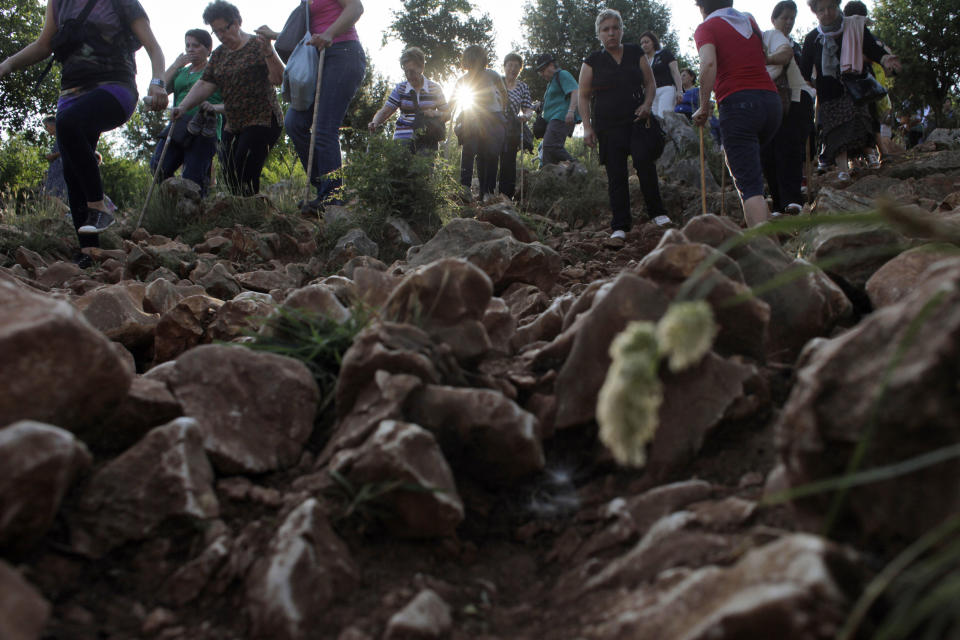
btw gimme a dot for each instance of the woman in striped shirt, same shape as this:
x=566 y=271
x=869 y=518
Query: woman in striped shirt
x=416 y=91
x=518 y=94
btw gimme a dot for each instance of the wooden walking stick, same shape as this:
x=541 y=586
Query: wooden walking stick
x=808 y=167
x=703 y=177
x=156 y=173
x=723 y=188
x=313 y=127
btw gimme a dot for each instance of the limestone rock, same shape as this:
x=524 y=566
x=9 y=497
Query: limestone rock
x=505 y=216
x=40 y=465
x=481 y=431
x=184 y=326
x=118 y=313
x=122 y=503
x=501 y=256
x=254 y=410
x=427 y=504
x=148 y=404
x=426 y=616
x=903 y=274
x=52 y=360
x=846 y=389
x=305 y=568
x=23 y=610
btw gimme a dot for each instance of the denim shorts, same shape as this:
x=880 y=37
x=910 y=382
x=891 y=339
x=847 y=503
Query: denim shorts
x=748 y=121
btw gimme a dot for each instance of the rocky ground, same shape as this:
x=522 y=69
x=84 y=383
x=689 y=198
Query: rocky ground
x=159 y=481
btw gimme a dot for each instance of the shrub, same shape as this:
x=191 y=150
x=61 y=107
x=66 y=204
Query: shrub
x=387 y=180
x=22 y=165
x=572 y=199
x=125 y=179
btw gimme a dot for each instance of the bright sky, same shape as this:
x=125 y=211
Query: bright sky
x=171 y=18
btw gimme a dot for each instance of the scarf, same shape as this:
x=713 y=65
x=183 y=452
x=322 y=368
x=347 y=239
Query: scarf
x=830 y=55
x=739 y=21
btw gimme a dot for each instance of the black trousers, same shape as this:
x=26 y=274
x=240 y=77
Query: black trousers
x=782 y=159
x=508 y=166
x=246 y=155
x=616 y=143
x=79 y=126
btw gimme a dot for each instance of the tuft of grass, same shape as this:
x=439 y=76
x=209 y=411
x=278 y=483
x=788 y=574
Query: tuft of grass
x=362 y=506
x=36 y=222
x=316 y=340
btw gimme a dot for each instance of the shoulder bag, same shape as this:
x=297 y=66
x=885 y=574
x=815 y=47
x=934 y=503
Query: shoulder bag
x=863 y=88
x=427 y=130
x=297 y=24
x=300 y=73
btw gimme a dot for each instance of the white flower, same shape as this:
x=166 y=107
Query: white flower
x=685 y=333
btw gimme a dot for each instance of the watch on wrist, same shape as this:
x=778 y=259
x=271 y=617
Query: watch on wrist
x=158 y=82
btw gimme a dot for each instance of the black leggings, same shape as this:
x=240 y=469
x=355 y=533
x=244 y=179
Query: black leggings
x=246 y=155
x=79 y=125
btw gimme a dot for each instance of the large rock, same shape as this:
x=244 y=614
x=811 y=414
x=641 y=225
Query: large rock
x=925 y=165
x=505 y=216
x=56 y=368
x=305 y=568
x=184 y=326
x=854 y=252
x=900 y=276
x=254 y=409
x=481 y=431
x=148 y=404
x=805 y=307
x=501 y=256
x=219 y=282
x=394 y=348
x=944 y=139
x=237 y=318
x=792 y=589
x=891 y=384
x=448 y=299
x=117 y=311
x=122 y=502
x=23 y=610
x=629 y=297
x=40 y=465
x=317 y=299
x=426 y=504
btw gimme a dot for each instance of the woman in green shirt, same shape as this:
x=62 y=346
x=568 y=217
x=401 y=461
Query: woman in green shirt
x=194 y=140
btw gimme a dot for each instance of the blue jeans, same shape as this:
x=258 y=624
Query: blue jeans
x=344 y=65
x=196 y=159
x=748 y=121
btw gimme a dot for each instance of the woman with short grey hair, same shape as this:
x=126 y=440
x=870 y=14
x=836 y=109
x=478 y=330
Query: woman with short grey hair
x=603 y=16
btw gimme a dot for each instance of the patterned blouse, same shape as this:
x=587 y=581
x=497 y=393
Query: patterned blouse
x=243 y=79
x=429 y=97
x=519 y=97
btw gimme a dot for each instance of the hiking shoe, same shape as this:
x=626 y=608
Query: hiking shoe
x=83 y=261
x=822 y=168
x=793 y=209
x=873 y=159
x=619 y=234
x=209 y=127
x=195 y=124
x=97 y=222
x=843 y=176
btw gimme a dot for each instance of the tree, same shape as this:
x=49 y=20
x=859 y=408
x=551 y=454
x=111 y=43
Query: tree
x=566 y=28
x=22 y=102
x=142 y=131
x=924 y=34
x=443 y=29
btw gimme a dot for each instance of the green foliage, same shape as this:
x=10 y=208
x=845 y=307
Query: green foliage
x=566 y=28
x=317 y=341
x=443 y=29
x=125 y=179
x=22 y=164
x=387 y=180
x=36 y=222
x=571 y=200
x=142 y=132
x=22 y=102
x=923 y=34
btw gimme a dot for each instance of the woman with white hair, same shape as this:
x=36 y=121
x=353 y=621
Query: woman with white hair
x=617 y=89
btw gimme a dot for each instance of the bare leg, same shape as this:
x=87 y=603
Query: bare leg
x=755 y=210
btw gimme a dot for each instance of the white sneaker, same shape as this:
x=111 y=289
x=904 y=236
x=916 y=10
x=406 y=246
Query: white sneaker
x=619 y=234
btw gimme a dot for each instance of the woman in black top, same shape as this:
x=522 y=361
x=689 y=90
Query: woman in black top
x=845 y=127
x=666 y=73
x=622 y=85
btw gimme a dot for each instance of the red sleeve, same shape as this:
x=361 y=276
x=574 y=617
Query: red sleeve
x=704 y=35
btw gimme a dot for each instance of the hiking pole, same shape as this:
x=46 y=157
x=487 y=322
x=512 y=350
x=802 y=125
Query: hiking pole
x=520 y=150
x=313 y=127
x=723 y=189
x=156 y=173
x=703 y=177
x=808 y=167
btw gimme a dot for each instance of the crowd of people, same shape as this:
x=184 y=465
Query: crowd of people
x=778 y=102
